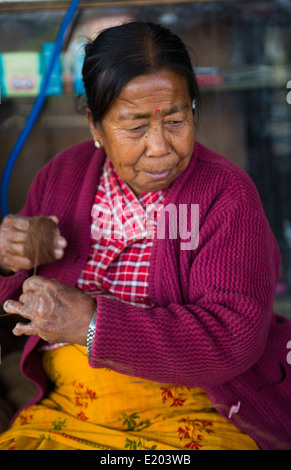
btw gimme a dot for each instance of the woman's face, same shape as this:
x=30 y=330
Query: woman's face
x=148 y=132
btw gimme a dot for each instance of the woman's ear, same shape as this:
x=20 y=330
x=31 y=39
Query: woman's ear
x=93 y=128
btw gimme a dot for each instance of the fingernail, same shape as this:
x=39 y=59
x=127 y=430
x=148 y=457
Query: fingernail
x=6 y=305
x=15 y=329
x=59 y=253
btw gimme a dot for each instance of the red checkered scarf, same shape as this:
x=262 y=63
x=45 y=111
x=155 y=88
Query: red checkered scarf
x=119 y=257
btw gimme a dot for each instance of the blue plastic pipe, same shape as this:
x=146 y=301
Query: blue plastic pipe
x=37 y=106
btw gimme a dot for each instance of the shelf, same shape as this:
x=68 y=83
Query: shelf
x=209 y=79
x=282 y=306
x=250 y=77
x=16 y=7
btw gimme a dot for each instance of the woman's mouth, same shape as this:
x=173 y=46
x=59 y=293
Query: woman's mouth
x=158 y=175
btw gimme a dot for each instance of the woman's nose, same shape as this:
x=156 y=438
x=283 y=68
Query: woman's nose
x=157 y=144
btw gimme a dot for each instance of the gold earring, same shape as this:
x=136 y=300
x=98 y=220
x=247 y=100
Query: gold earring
x=97 y=144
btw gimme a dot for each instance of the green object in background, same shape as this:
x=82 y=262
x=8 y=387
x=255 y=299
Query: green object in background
x=2 y=87
x=20 y=73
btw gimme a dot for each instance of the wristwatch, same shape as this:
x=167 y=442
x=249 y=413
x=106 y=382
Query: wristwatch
x=91 y=333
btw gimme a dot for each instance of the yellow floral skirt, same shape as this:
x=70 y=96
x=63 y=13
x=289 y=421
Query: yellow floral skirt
x=91 y=409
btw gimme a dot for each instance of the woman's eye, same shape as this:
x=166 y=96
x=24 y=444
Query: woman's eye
x=138 y=129
x=174 y=123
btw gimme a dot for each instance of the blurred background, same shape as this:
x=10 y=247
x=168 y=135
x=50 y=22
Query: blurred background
x=241 y=52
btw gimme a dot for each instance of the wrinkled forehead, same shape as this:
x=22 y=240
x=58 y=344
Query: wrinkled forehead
x=158 y=94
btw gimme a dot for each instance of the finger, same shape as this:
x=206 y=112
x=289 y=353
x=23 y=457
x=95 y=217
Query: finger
x=16 y=263
x=16 y=248
x=27 y=298
x=54 y=218
x=12 y=306
x=18 y=236
x=17 y=308
x=59 y=254
x=20 y=223
x=33 y=283
x=27 y=329
x=60 y=242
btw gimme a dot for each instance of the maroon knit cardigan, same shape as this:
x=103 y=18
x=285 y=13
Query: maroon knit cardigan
x=213 y=324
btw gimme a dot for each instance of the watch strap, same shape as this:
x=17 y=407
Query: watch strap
x=91 y=333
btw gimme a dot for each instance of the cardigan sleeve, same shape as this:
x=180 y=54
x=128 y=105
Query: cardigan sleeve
x=220 y=331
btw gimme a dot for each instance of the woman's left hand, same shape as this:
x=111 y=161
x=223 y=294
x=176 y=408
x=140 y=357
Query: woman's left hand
x=58 y=313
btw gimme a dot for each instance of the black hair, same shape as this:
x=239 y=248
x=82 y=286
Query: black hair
x=121 y=53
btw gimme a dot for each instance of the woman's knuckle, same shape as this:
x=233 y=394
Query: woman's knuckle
x=52 y=285
x=8 y=218
x=6 y=258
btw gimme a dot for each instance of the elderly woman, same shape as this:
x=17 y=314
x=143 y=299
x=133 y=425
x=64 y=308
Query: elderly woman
x=141 y=341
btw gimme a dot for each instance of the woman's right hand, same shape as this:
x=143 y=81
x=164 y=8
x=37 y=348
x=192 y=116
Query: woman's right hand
x=13 y=236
